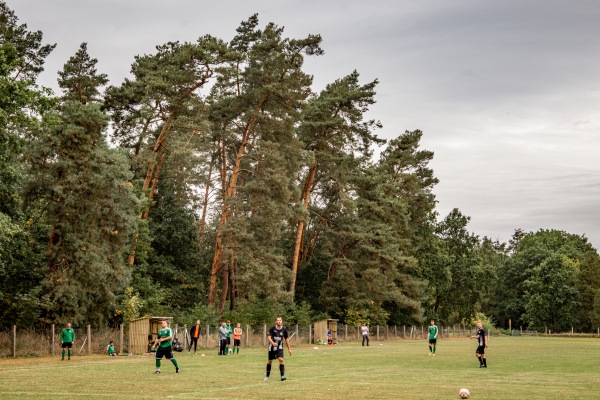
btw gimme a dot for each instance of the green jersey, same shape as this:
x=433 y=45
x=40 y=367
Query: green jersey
x=110 y=349
x=229 y=330
x=67 y=335
x=163 y=333
x=433 y=331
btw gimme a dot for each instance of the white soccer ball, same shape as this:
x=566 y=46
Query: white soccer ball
x=315 y=348
x=464 y=393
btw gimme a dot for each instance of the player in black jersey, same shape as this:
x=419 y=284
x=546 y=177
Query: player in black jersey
x=277 y=335
x=482 y=344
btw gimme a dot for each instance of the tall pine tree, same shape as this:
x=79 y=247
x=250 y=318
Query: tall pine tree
x=90 y=203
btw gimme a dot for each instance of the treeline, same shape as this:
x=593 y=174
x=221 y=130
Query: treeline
x=214 y=181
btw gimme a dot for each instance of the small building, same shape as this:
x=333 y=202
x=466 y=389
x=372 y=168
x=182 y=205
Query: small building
x=140 y=331
x=321 y=329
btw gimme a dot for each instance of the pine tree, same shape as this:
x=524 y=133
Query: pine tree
x=162 y=107
x=22 y=226
x=90 y=207
x=79 y=78
x=255 y=105
x=333 y=128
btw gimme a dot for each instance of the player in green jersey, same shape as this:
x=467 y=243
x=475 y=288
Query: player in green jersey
x=110 y=349
x=229 y=332
x=163 y=343
x=433 y=333
x=67 y=337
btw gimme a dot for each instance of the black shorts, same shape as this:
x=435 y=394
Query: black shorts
x=432 y=341
x=237 y=342
x=228 y=341
x=67 y=345
x=166 y=352
x=275 y=354
x=480 y=350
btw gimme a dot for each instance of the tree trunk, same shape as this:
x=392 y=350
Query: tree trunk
x=202 y=227
x=149 y=175
x=300 y=231
x=232 y=285
x=154 y=183
x=216 y=265
x=225 y=289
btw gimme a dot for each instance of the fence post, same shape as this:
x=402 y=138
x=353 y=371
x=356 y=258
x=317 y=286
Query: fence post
x=89 y=335
x=247 y=335
x=378 y=333
x=264 y=338
x=346 y=333
x=52 y=341
x=121 y=339
x=309 y=334
x=403 y=331
x=422 y=332
x=185 y=338
x=14 y=341
x=297 y=333
x=207 y=335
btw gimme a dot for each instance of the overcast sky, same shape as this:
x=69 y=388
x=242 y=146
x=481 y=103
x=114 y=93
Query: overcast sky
x=507 y=93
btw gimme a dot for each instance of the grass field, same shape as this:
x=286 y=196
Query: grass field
x=518 y=368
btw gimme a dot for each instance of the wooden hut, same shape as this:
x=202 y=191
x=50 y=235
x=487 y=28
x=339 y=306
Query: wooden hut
x=140 y=330
x=321 y=328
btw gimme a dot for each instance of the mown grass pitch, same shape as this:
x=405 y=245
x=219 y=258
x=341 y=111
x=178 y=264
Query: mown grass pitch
x=518 y=368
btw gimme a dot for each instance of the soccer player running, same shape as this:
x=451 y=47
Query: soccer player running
x=67 y=337
x=482 y=344
x=277 y=335
x=433 y=334
x=163 y=343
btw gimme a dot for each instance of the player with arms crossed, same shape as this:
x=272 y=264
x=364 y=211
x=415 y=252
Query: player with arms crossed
x=482 y=344
x=433 y=334
x=277 y=335
x=163 y=342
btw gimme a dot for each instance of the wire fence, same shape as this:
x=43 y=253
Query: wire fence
x=89 y=340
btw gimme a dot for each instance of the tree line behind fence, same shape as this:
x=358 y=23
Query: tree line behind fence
x=32 y=343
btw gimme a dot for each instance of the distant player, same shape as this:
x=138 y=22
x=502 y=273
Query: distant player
x=163 y=343
x=277 y=335
x=229 y=331
x=433 y=333
x=195 y=332
x=237 y=338
x=67 y=337
x=482 y=344
x=110 y=349
x=365 y=333
x=223 y=339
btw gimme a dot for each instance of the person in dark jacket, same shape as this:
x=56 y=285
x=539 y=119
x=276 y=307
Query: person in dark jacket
x=195 y=332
